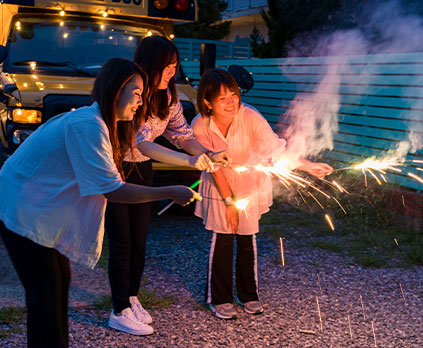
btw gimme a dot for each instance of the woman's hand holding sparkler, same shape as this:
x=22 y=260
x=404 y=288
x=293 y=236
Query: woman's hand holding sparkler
x=220 y=157
x=183 y=195
x=205 y=161
x=319 y=170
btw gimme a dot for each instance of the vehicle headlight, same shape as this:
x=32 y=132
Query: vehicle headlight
x=26 y=116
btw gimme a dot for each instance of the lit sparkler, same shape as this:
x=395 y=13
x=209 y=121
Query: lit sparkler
x=241 y=204
x=194 y=185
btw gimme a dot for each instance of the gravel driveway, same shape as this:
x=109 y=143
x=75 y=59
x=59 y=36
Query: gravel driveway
x=176 y=266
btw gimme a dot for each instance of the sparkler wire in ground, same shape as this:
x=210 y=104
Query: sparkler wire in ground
x=374 y=334
x=403 y=296
x=320 y=314
x=282 y=253
x=349 y=326
x=362 y=307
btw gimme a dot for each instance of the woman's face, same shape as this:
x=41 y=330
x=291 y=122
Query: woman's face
x=167 y=73
x=130 y=99
x=225 y=104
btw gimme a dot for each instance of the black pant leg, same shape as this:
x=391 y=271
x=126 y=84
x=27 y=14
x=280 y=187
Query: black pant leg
x=45 y=275
x=246 y=268
x=127 y=229
x=220 y=277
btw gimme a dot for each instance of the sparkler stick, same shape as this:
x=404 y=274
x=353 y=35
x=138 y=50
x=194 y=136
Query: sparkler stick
x=403 y=296
x=349 y=325
x=374 y=335
x=362 y=307
x=308 y=332
x=318 y=282
x=327 y=217
x=320 y=314
x=282 y=253
x=194 y=185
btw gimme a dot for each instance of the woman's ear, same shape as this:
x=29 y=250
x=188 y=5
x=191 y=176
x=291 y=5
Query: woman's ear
x=208 y=105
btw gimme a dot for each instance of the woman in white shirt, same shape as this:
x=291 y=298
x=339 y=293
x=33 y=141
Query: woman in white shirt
x=224 y=123
x=127 y=225
x=53 y=193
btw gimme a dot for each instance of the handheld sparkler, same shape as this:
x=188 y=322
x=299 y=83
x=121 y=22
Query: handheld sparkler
x=194 y=185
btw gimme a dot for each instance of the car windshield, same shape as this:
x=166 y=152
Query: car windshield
x=75 y=47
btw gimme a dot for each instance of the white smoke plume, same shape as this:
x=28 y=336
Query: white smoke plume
x=313 y=117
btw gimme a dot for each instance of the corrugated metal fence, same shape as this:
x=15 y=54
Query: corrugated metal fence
x=380 y=99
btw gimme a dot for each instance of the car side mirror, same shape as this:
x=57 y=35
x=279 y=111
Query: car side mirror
x=3 y=53
x=243 y=78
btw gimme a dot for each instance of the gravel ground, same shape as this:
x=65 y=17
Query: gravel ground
x=176 y=266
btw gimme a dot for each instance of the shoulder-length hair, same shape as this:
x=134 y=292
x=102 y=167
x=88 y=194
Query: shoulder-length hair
x=153 y=54
x=210 y=86
x=108 y=85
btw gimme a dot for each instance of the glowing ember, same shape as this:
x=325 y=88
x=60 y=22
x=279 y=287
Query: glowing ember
x=415 y=177
x=327 y=217
x=379 y=165
x=241 y=204
x=241 y=169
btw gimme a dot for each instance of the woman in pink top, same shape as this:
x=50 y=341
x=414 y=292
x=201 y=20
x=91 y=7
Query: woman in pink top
x=226 y=124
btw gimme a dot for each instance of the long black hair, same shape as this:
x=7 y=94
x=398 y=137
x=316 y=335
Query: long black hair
x=108 y=85
x=153 y=54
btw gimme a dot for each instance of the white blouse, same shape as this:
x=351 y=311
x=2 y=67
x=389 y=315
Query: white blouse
x=250 y=140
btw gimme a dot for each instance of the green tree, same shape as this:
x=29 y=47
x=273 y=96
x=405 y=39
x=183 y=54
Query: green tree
x=209 y=25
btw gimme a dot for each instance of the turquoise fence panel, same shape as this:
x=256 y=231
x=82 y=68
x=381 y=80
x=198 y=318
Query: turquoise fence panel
x=190 y=49
x=379 y=99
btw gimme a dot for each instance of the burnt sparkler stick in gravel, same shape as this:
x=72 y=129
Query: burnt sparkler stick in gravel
x=194 y=185
x=320 y=314
x=362 y=307
x=349 y=326
x=403 y=296
x=374 y=334
x=318 y=282
x=282 y=253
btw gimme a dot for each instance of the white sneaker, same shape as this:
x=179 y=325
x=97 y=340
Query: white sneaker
x=140 y=313
x=127 y=322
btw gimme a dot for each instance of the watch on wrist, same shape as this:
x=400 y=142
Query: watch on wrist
x=228 y=200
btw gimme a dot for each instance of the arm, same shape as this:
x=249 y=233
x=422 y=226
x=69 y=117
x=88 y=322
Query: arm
x=225 y=191
x=130 y=193
x=317 y=169
x=163 y=154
